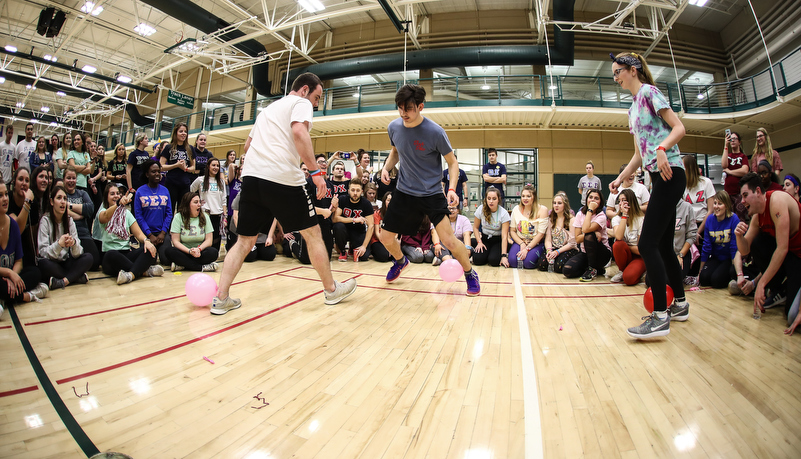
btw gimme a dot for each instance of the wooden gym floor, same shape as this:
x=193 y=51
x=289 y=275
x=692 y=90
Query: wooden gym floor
x=537 y=366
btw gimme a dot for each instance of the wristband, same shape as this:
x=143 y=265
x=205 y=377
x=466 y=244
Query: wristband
x=451 y=189
x=660 y=148
x=739 y=274
x=437 y=244
x=504 y=255
x=624 y=217
x=315 y=172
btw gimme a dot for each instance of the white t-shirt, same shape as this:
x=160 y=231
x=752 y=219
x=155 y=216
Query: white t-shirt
x=632 y=233
x=272 y=155
x=7 y=152
x=214 y=198
x=24 y=148
x=497 y=219
x=698 y=196
x=528 y=228
x=639 y=190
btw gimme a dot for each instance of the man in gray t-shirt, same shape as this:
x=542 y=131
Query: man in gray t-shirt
x=418 y=144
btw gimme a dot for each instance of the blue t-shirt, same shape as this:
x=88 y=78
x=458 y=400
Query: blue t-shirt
x=153 y=209
x=446 y=179
x=493 y=170
x=649 y=128
x=420 y=150
x=719 y=240
x=13 y=250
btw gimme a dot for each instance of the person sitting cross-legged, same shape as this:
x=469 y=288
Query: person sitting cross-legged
x=61 y=256
x=192 y=235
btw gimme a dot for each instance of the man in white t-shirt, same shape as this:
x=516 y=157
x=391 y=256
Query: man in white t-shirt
x=7 y=151
x=25 y=147
x=643 y=196
x=273 y=187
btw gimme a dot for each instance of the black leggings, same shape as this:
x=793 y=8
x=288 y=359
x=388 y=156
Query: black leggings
x=71 y=268
x=559 y=262
x=380 y=253
x=262 y=252
x=30 y=275
x=715 y=273
x=762 y=251
x=215 y=237
x=491 y=255
x=596 y=255
x=656 y=240
x=133 y=261
x=190 y=263
x=90 y=247
x=355 y=234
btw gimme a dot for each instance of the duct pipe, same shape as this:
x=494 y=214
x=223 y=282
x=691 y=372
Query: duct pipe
x=207 y=22
x=561 y=54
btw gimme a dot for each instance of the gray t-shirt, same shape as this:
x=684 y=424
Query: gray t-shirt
x=420 y=150
x=586 y=184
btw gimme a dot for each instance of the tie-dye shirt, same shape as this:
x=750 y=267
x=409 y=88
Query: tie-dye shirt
x=649 y=128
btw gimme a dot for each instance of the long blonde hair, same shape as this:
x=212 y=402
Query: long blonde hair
x=691 y=168
x=565 y=212
x=535 y=204
x=768 y=147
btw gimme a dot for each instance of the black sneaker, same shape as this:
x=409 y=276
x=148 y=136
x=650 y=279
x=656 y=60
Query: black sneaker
x=774 y=299
x=589 y=275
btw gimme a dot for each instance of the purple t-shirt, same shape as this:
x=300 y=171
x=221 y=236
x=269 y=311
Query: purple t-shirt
x=13 y=250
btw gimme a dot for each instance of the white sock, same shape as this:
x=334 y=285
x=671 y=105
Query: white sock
x=661 y=314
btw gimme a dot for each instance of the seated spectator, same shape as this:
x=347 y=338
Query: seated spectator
x=684 y=236
x=590 y=232
x=370 y=192
x=153 y=209
x=353 y=224
x=628 y=227
x=527 y=231
x=41 y=186
x=263 y=249
x=770 y=181
x=118 y=224
x=22 y=209
x=560 y=242
x=791 y=185
x=380 y=253
x=192 y=236
x=80 y=210
x=418 y=247
x=61 y=257
x=698 y=192
x=630 y=182
x=213 y=195
x=17 y=284
x=491 y=231
x=462 y=229
x=720 y=245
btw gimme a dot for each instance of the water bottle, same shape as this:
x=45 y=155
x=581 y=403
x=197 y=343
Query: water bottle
x=550 y=265
x=723 y=178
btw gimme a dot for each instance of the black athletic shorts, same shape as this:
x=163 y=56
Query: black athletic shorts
x=261 y=200
x=405 y=212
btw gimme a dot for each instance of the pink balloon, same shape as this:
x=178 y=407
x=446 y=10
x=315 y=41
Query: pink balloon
x=450 y=270
x=200 y=289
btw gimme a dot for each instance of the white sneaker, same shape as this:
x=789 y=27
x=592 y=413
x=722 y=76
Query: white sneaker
x=124 y=277
x=617 y=278
x=1 y=310
x=39 y=292
x=154 y=271
x=437 y=261
x=174 y=267
x=209 y=268
x=341 y=291
x=220 y=307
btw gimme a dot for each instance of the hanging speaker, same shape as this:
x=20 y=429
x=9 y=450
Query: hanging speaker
x=50 y=22
x=56 y=24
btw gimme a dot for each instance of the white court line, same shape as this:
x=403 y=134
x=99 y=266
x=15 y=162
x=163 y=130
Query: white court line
x=531 y=398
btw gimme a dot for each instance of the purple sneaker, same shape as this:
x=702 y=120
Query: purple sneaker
x=395 y=271
x=473 y=287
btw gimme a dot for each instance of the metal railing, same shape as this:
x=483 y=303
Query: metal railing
x=523 y=90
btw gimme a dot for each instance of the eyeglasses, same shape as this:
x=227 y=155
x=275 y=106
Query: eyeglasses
x=616 y=73
x=760 y=136
x=321 y=161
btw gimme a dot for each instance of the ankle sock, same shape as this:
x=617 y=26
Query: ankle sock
x=661 y=314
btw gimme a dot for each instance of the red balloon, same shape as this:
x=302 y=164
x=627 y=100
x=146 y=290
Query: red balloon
x=648 y=298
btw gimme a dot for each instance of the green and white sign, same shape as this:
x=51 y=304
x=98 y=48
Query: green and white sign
x=182 y=100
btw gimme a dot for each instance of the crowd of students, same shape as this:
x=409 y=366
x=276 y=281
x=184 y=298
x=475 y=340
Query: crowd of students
x=74 y=213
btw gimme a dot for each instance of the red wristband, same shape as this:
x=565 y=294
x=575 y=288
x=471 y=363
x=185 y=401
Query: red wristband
x=451 y=189
x=660 y=148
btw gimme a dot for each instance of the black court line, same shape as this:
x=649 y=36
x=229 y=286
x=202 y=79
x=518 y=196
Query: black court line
x=67 y=418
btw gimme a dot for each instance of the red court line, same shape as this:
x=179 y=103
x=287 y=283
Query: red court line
x=19 y=391
x=121 y=308
x=183 y=344
x=5 y=326
x=406 y=290
x=595 y=296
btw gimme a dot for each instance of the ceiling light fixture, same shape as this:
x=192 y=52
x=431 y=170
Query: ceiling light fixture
x=61 y=93
x=20 y=105
x=312 y=6
x=45 y=109
x=89 y=69
x=144 y=30
x=124 y=79
x=89 y=7
x=698 y=2
x=11 y=48
x=700 y=96
x=355 y=94
x=485 y=87
x=50 y=58
x=2 y=80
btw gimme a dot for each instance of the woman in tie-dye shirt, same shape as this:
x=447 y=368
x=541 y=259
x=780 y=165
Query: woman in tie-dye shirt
x=657 y=131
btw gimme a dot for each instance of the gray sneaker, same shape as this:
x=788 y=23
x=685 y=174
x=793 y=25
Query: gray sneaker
x=124 y=277
x=174 y=267
x=341 y=291
x=209 y=268
x=220 y=307
x=679 y=312
x=40 y=291
x=652 y=327
x=154 y=271
x=735 y=289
